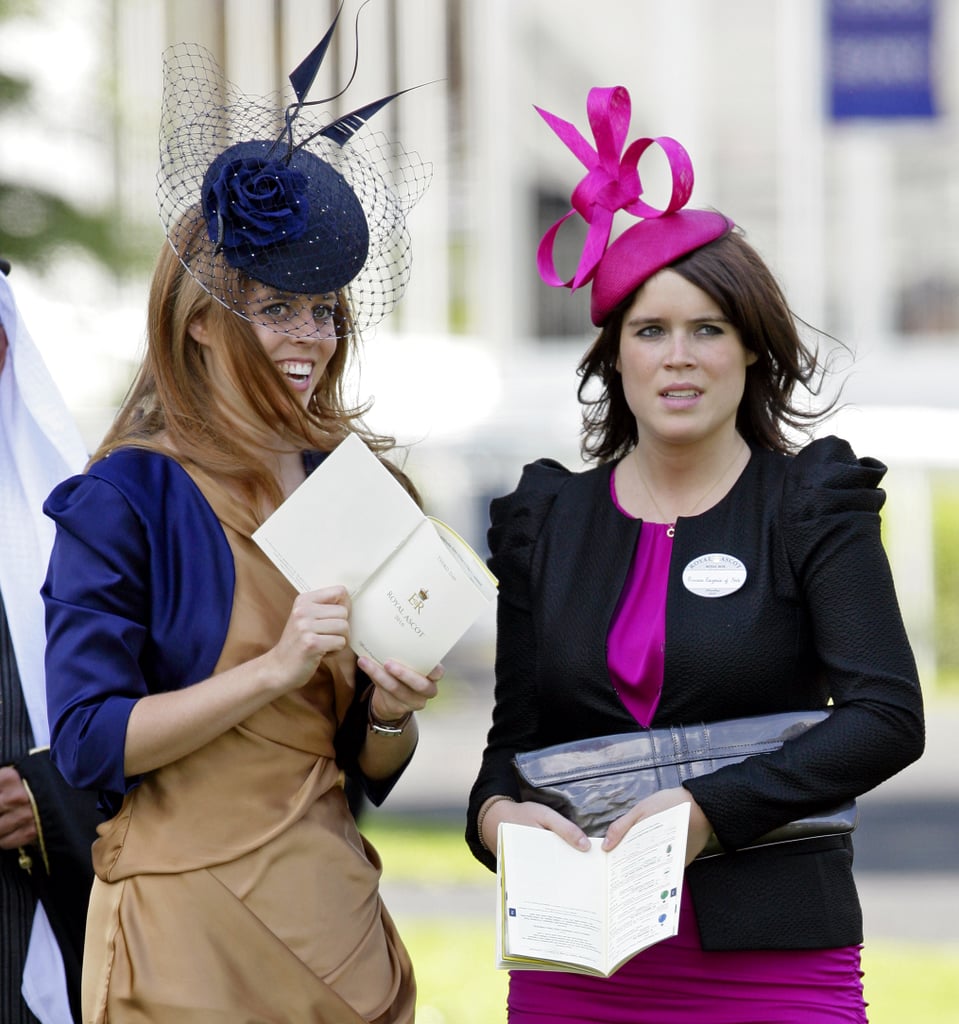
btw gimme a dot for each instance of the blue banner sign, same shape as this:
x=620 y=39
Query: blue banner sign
x=879 y=58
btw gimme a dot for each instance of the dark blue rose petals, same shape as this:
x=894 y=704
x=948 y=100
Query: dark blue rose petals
x=290 y=221
x=252 y=203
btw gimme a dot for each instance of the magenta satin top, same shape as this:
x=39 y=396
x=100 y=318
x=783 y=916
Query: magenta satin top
x=635 y=656
x=675 y=981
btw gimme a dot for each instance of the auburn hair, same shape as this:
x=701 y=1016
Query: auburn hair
x=174 y=405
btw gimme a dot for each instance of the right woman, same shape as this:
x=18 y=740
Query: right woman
x=691 y=420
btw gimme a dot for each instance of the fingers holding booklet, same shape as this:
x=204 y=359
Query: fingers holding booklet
x=415 y=585
x=563 y=909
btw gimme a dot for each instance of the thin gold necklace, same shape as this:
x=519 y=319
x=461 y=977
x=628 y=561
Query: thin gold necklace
x=671 y=526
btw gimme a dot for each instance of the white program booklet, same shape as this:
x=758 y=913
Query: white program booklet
x=587 y=912
x=416 y=586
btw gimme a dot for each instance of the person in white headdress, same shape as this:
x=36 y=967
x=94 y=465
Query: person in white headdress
x=46 y=828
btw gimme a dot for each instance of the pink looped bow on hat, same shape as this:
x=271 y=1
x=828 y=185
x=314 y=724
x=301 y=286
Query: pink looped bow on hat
x=612 y=182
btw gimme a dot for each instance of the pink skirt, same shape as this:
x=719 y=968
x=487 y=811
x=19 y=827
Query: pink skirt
x=675 y=982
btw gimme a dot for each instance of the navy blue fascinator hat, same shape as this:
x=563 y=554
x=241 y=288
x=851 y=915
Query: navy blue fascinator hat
x=270 y=192
x=269 y=218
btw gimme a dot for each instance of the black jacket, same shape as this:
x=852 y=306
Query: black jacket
x=817 y=619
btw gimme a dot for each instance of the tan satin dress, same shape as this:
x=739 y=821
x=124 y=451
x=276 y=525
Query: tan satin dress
x=233 y=885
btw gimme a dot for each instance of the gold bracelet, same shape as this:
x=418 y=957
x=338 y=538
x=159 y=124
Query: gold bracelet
x=484 y=810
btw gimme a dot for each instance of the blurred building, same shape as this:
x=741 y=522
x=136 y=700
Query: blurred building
x=745 y=87
x=858 y=214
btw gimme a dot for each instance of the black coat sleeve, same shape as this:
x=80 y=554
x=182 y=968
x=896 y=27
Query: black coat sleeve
x=830 y=528
x=348 y=743
x=62 y=871
x=515 y=524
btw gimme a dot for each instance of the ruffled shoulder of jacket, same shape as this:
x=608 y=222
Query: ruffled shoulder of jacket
x=828 y=491
x=131 y=471
x=517 y=518
x=827 y=478
x=145 y=491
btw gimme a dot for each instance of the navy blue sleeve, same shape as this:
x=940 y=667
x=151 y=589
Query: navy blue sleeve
x=97 y=616
x=138 y=597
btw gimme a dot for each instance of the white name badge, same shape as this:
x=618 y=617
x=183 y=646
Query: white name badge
x=714 y=575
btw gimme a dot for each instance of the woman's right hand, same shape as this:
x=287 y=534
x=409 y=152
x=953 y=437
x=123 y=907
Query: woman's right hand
x=533 y=814
x=164 y=727
x=319 y=624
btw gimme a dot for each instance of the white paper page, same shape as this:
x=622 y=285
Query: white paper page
x=645 y=882
x=554 y=897
x=341 y=523
x=417 y=604
x=466 y=558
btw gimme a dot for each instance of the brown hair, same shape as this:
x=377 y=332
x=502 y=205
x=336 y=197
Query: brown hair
x=173 y=394
x=734 y=275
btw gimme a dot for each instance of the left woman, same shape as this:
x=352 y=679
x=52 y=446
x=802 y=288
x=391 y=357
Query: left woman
x=216 y=711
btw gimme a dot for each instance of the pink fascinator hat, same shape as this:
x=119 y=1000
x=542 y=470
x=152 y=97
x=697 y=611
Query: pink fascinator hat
x=612 y=183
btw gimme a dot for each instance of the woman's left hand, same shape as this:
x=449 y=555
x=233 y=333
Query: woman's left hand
x=398 y=689
x=699 y=827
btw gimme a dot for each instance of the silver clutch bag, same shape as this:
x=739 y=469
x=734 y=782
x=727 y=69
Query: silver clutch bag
x=594 y=781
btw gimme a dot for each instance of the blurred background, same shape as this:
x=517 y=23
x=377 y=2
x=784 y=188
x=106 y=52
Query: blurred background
x=827 y=129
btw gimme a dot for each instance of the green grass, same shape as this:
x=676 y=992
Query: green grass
x=911 y=982
x=415 y=850
x=457 y=982
x=945 y=540
x=454 y=957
